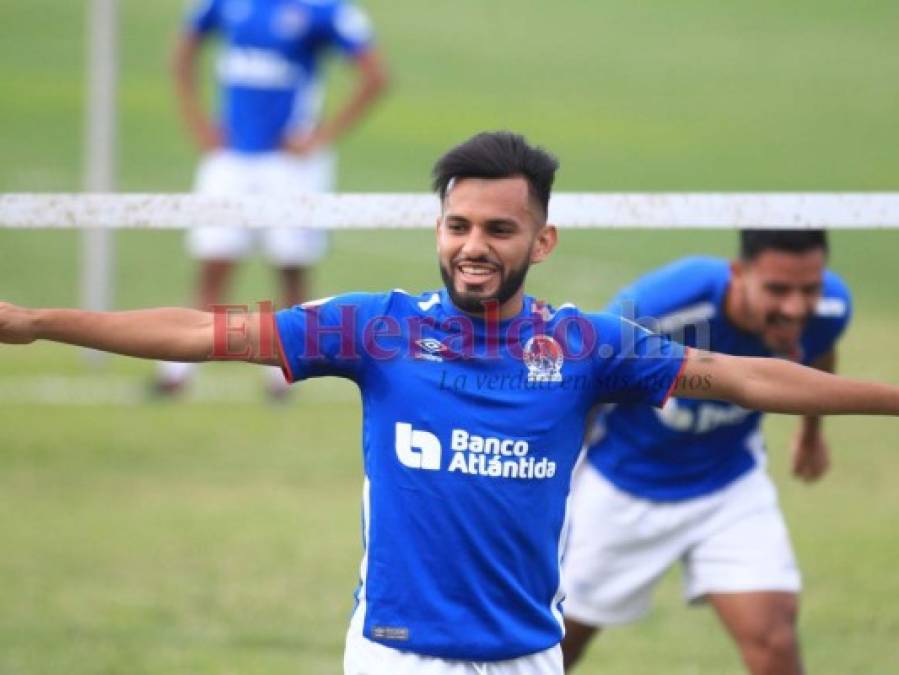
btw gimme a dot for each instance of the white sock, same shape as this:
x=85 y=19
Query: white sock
x=275 y=379
x=172 y=372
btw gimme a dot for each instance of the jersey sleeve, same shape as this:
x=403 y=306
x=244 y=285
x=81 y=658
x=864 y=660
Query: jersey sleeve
x=633 y=364
x=324 y=337
x=349 y=28
x=204 y=17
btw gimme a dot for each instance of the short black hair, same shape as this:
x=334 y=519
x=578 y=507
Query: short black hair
x=755 y=242
x=498 y=154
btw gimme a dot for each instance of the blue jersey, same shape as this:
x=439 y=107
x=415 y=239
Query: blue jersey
x=270 y=60
x=470 y=433
x=692 y=448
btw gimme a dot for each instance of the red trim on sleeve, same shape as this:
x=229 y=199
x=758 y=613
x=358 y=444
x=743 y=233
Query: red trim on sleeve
x=285 y=364
x=680 y=371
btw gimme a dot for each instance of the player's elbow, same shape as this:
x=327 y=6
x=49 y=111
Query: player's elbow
x=182 y=56
x=378 y=83
x=743 y=384
x=765 y=384
x=747 y=396
x=375 y=74
x=710 y=375
x=197 y=341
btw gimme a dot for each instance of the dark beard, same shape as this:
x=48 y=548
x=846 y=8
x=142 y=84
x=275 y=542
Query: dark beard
x=474 y=304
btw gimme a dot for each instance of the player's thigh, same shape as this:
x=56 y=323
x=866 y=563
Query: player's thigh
x=222 y=173
x=747 y=547
x=219 y=243
x=294 y=247
x=759 y=617
x=619 y=546
x=289 y=175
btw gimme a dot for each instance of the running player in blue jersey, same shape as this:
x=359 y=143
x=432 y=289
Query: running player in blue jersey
x=687 y=482
x=268 y=138
x=474 y=403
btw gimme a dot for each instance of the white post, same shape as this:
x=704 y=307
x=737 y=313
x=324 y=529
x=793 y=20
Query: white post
x=100 y=153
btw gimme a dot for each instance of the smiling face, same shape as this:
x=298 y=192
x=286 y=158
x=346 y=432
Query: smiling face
x=775 y=293
x=490 y=231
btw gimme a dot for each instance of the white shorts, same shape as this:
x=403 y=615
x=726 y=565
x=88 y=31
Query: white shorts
x=620 y=546
x=365 y=657
x=274 y=173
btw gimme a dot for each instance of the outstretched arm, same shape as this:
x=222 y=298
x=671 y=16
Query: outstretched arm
x=166 y=333
x=776 y=385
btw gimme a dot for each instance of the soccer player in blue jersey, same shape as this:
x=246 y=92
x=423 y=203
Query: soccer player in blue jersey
x=474 y=400
x=267 y=138
x=687 y=482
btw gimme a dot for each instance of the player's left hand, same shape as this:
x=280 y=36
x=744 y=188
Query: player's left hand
x=811 y=456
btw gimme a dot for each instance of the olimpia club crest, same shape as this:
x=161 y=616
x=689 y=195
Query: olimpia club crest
x=544 y=358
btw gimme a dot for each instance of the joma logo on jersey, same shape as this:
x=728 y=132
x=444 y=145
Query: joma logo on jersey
x=473 y=455
x=430 y=349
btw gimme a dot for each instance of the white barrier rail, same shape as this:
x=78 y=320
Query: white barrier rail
x=384 y=210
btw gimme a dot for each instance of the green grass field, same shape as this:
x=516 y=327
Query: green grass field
x=220 y=535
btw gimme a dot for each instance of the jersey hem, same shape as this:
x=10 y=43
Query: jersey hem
x=455 y=656
x=285 y=364
x=657 y=497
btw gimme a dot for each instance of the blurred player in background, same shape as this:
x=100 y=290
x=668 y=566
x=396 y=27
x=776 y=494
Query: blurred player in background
x=475 y=401
x=688 y=482
x=268 y=139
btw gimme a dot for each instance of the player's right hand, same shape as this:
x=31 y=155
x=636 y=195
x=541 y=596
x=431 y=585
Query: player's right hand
x=16 y=324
